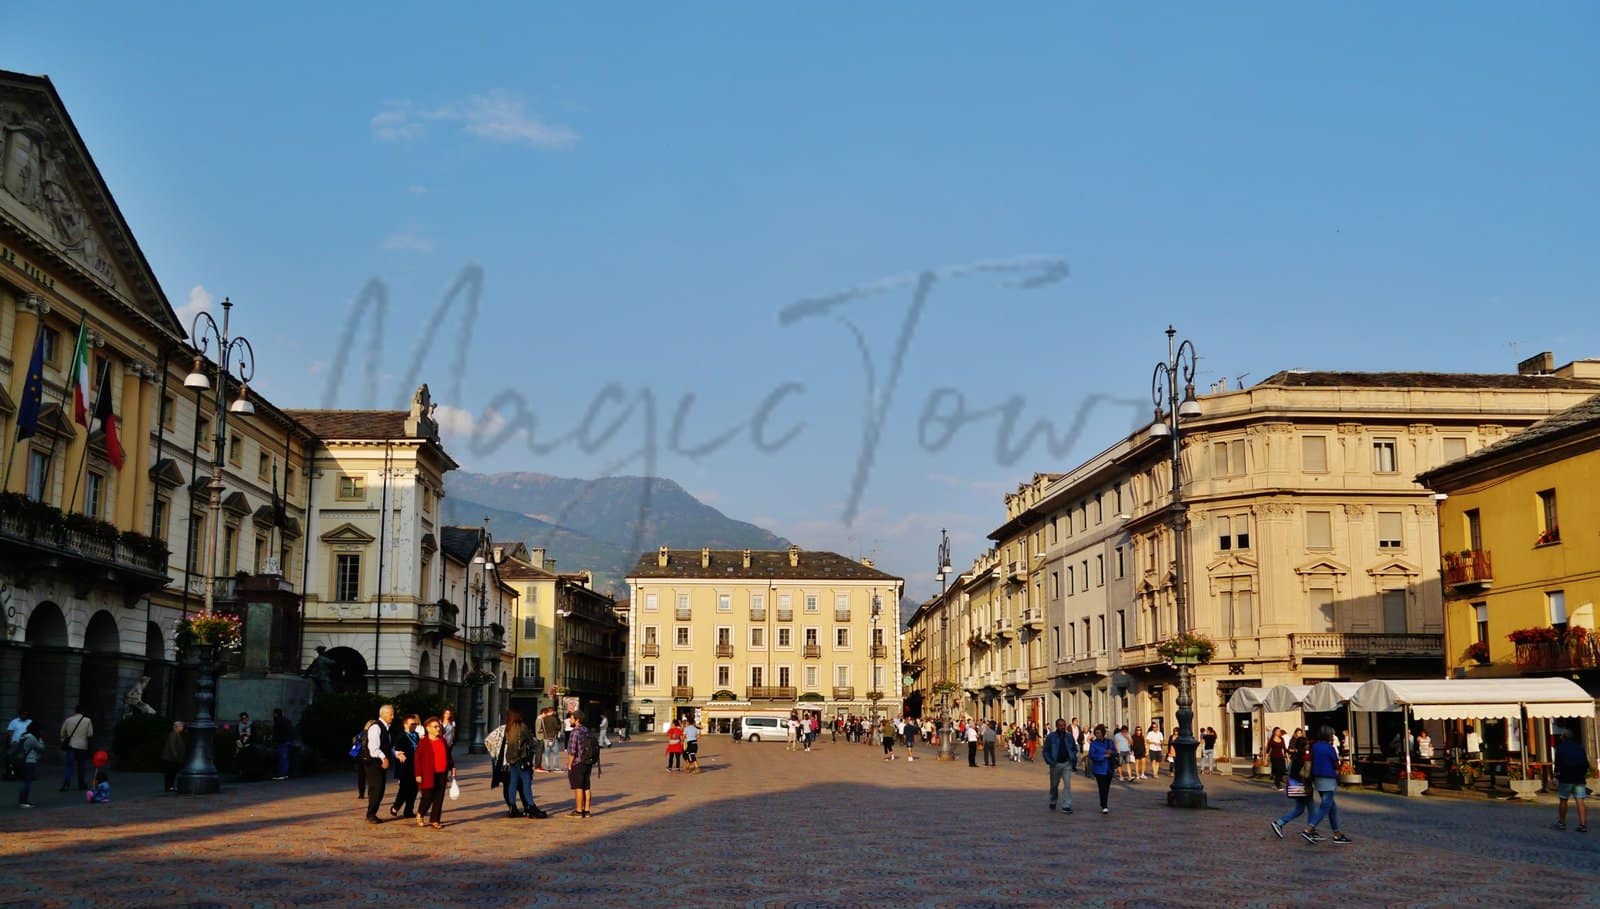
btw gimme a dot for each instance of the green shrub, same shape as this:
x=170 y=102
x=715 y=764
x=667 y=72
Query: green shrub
x=330 y=722
x=422 y=703
x=137 y=741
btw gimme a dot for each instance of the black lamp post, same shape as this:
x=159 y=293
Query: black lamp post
x=480 y=643
x=1186 y=791
x=199 y=775
x=946 y=746
x=876 y=693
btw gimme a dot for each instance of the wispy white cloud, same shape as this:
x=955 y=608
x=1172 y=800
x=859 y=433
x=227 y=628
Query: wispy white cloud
x=417 y=189
x=200 y=300
x=463 y=424
x=498 y=116
x=409 y=239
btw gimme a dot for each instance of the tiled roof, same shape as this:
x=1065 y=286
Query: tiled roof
x=1573 y=419
x=815 y=565
x=1293 y=378
x=513 y=569
x=460 y=543
x=352 y=424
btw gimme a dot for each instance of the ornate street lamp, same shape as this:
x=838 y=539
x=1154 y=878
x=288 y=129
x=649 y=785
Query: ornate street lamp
x=480 y=641
x=877 y=687
x=946 y=746
x=1186 y=791
x=199 y=776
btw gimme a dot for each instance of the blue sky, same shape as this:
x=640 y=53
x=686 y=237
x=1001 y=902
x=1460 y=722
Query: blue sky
x=1360 y=187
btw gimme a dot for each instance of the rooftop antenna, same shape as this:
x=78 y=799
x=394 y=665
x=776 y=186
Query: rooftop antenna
x=1238 y=381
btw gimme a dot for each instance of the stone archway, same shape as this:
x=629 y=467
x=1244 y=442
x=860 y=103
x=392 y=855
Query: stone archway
x=48 y=680
x=101 y=681
x=349 y=669
x=158 y=668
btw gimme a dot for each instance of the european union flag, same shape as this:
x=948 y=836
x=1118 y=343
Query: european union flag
x=32 y=392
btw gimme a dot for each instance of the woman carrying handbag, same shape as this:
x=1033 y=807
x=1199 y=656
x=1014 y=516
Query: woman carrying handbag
x=435 y=773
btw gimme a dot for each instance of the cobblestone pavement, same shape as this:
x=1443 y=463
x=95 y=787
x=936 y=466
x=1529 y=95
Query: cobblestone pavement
x=764 y=826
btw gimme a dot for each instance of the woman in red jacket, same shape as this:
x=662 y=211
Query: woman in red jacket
x=674 y=747
x=435 y=770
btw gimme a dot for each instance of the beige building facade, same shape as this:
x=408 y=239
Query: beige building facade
x=722 y=633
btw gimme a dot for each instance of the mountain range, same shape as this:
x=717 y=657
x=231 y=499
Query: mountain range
x=601 y=525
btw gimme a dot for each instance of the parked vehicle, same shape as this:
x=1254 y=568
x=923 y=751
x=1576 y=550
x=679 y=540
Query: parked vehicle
x=758 y=728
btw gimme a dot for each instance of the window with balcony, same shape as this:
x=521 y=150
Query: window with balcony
x=1319 y=530
x=1100 y=626
x=757 y=676
x=159 y=521
x=877 y=637
x=1549 y=529
x=683 y=601
x=230 y=546
x=681 y=676
x=841 y=675
x=38 y=469
x=347 y=578
x=1314 y=454
x=1480 y=617
x=1556 y=603
x=261 y=555
x=650 y=636
x=1474 y=530
x=528 y=667
x=811 y=678
x=1322 y=617
x=1394 y=612
x=94 y=490
x=1389 y=530
x=758 y=602
x=784 y=678
x=1238 y=613
x=647 y=677
x=1383 y=456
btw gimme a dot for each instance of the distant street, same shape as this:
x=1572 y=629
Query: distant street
x=766 y=826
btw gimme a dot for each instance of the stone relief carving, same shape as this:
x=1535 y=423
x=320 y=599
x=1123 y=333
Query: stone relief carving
x=34 y=170
x=1350 y=429
x=1420 y=429
x=1355 y=511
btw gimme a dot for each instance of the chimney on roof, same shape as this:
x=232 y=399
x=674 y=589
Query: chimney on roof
x=536 y=557
x=867 y=563
x=705 y=557
x=1540 y=364
x=794 y=556
x=588 y=578
x=747 y=558
x=661 y=558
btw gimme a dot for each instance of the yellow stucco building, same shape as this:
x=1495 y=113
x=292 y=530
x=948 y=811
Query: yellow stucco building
x=728 y=632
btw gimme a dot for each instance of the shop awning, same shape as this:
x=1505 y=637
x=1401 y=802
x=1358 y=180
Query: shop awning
x=1283 y=698
x=1245 y=700
x=1326 y=696
x=1466 y=699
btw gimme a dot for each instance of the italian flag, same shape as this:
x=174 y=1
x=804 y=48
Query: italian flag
x=79 y=377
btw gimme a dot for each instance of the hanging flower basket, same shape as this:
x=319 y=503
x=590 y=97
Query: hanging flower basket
x=1478 y=652
x=214 y=630
x=1186 y=649
x=476 y=678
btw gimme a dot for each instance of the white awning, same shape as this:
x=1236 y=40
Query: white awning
x=1326 y=696
x=1245 y=700
x=1283 y=698
x=1465 y=699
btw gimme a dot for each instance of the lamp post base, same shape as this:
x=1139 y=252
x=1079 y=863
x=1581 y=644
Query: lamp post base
x=199 y=775
x=199 y=784
x=1187 y=791
x=1186 y=798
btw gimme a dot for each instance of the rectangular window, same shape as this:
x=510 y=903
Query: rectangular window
x=1100 y=626
x=347 y=578
x=841 y=676
x=1549 y=530
x=1454 y=448
x=1055 y=584
x=650 y=635
x=1322 y=618
x=530 y=630
x=169 y=413
x=651 y=602
x=263 y=466
x=1314 y=454
x=877 y=678
x=841 y=638
x=783 y=677
x=811 y=678
x=1122 y=568
x=1100 y=571
x=1227 y=458
x=230 y=546
x=724 y=676
x=1055 y=635
x=1224 y=533
x=289 y=482
x=757 y=676
x=758 y=638
x=811 y=603
x=1394 y=612
x=260 y=554
x=203 y=432
x=724 y=636
x=877 y=637
x=236 y=451
x=785 y=639
x=683 y=601
x=38 y=464
x=196 y=539
x=528 y=667
x=680 y=636
x=1071 y=580
x=1474 y=530
x=159 y=520
x=94 y=493
x=682 y=674
x=649 y=679
x=1083 y=568
x=1122 y=628
x=724 y=602
x=1383 y=456
x=1118 y=490
x=1099 y=509
x=1319 y=530
x=1556 y=600
x=52 y=346
x=1389 y=536
x=1480 y=615
x=352 y=487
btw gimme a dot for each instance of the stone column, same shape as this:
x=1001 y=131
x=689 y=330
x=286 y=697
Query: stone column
x=141 y=448
x=10 y=676
x=133 y=433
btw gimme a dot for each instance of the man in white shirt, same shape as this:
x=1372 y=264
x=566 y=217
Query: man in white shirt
x=1155 y=741
x=14 y=731
x=76 y=730
x=380 y=749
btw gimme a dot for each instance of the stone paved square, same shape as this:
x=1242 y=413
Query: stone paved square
x=764 y=826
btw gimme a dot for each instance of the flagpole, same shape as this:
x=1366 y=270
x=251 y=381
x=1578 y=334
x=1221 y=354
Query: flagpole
x=83 y=459
x=66 y=390
x=16 y=439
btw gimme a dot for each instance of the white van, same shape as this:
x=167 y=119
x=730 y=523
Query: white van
x=764 y=728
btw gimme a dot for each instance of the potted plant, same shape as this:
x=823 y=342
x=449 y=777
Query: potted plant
x=1348 y=775
x=1224 y=764
x=1413 y=783
x=1478 y=652
x=1187 y=648
x=214 y=630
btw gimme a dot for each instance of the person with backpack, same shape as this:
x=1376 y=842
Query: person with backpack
x=76 y=730
x=583 y=750
x=29 y=749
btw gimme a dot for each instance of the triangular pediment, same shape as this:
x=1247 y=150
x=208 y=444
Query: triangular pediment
x=1232 y=563
x=236 y=504
x=347 y=533
x=1394 y=568
x=54 y=201
x=166 y=472
x=1323 y=566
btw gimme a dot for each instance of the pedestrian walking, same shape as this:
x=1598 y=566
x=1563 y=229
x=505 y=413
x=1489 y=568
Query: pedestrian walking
x=605 y=727
x=991 y=735
x=887 y=732
x=691 y=746
x=583 y=755
x=435 y=771
x=1325 y=781
x=1208 y=751
x=404 y=742
x=379 y=754
x=282 y=741
x=1572 y=771
x=519 y=747
x=1298 y=789
x=1278 y=756
x=912 y=730
x=447 y=728
x=1136 y=744
x=1102 y=761
x=1061 y=755
x=173 y=752
x=1124 y=749
x=550 y=737
x=674 y=748
x=29 y=749
x=76 y=730
x=972 y=744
